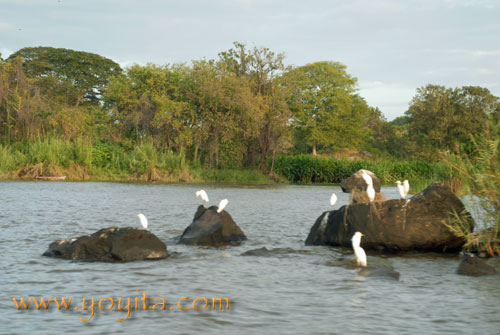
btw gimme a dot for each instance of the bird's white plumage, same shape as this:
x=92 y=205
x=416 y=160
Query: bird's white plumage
x=406 y=185
x=358 y=251
x=144 y=220
x=368 y=179
x=333 y=199
x=222 y=204
x=401 y=189
x=370 y=191
x=202 y=194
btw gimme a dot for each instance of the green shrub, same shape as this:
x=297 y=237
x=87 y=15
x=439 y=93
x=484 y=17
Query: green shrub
x=309 y=169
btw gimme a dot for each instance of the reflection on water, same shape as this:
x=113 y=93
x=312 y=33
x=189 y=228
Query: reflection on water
x=286 y=293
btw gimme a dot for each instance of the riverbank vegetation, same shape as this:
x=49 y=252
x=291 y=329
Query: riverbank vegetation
x=244 y=117
x=479 y=172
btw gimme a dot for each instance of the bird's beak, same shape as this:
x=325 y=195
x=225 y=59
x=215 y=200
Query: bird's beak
x=362 y=234
x=137 y=215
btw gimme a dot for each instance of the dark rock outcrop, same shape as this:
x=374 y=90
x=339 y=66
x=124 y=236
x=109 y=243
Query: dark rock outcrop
x=394 y=225
x=110 y=245
x=210 y=228
x=475 y=266
x=356 y=182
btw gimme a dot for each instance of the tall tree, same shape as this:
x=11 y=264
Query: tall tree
x=327 y=111
x=82 y=75
x=147 y=102
x=444 y=119
x=263 y=70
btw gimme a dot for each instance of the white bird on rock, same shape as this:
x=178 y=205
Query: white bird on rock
x=403 y=188
x=333 y=199
x=222 y=204
x=368 y=179
x=370 y=191
x=144 y=220
x=202 y=194
x=406 y=185
x=358 y=251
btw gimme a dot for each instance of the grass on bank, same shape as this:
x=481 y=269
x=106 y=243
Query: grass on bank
x=81 y=160
x=479 y=174
x=305 y=169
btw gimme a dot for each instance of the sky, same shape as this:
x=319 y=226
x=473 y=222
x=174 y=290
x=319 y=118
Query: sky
x=392 y=47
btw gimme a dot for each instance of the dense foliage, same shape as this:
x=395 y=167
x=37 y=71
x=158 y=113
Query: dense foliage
x=241 y=110
x=309 y=169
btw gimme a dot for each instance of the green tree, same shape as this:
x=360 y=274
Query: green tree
x=443 y=118
x=146 y=102
x=327 y=111
x=262 y=69
x=80 y=76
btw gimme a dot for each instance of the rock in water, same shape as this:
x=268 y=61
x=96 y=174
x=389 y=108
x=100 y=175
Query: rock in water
x=356 y=182
x=474 y=266
x=393 y=225
x=110 y=245
x=212 y=229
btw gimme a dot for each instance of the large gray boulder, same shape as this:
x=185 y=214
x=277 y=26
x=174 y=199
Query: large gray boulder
x=110 y=245
x=210 y=228
x=412 y=224
x=356 y=182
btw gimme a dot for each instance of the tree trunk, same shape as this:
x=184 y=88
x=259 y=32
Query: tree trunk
x=314 y=149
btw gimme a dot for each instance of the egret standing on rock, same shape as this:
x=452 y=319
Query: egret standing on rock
x=368 y=179
x=144 y=220
x=403 y=188
x=222 y=204
x=202 y=194
x=406 y=185
x=333 y=199
x=370 y=191
x=358 y=251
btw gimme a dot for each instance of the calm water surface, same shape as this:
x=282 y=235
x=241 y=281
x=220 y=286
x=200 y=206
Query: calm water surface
x=281 y=294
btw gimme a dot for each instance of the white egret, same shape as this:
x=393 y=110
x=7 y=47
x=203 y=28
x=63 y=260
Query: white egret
x=370 y=191
x=406 y=185
x=368 y=179
x=202 y=194
x=144 y=220
x=333 y=199
x=401 y=189
x=358 y=251
x=222 y=204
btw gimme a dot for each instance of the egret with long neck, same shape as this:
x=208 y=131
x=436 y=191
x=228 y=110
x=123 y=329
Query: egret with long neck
x=144 y=220
x=358 y=251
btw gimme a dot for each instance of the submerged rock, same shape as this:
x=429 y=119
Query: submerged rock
x=375 y=268
x=394 y=225
x=110 y=245
x=387 y=272
x=210 y=228
x=475 y=266
x=276 y=251
x=356 y=182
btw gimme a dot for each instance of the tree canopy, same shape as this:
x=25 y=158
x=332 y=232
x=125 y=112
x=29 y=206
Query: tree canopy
x=241 y=109
x=85 y=75
x=327 y=111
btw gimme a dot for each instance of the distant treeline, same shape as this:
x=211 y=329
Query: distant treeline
x=243 y=109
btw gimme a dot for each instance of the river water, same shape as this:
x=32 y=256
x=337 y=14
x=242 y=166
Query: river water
x=290 y=293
